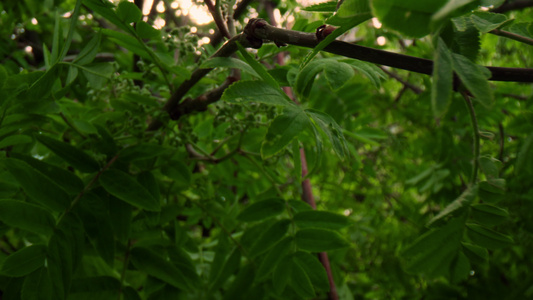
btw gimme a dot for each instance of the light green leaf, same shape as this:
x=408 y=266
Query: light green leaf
x=24 y=261
x=105 y=9
x=36 y=185
x=273 y=257
x=70 y=154
x=449 y=9
x=474 y=77
x=373 y=72
x=255 y=91
x=270 y=237
x=321 y=219
x=283 y=130
x=26 y=216
x=488 y=238
x=411 y=18
x=261 y=210
x=486 y=21
x=442 y=84
x=157 y=266
x=319 y=240
x=329 y=6
x=489 y=215
x=523 y=28
x=127 y=189
x=228 y=62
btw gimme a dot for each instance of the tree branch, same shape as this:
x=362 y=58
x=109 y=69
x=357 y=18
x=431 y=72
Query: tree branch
x=217 y=16
x=519 y=4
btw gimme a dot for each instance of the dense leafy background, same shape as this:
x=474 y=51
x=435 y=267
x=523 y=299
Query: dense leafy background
x=414 y=200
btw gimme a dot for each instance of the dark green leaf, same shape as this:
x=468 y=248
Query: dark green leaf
x=319 y=240
x=228 y=62
x=283 y=130
x=88 y=53
x=282 y=274
x=261 y=210
x=487 y=214
x=320 y=219
x=332 y=130
x=486 y=21
x=24 y=261
x=36 y=185
x=300 y=282
x=476 y=253
x=259 y=69
x=14 y=140
x=127 y=189
x=270 y=237
x=37 y=286
x=26 y=216
x=157 y=266
x=128 y=12
x=230 y=266
x=487 y=237
x=313 y=269
x=457 y=207
x=143 y=151
x=147 y=31
x=70 y=154
x=273 y=258
x=490 y=166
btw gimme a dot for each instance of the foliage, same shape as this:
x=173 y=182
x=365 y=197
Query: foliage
x=423 y=185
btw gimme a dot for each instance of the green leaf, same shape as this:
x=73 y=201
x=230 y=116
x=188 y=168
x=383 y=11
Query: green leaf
x=329 y=6
x=143 y=151
x=476 y=253
x=373 y=72
x=261 y=210
x=270 y=237
x=70 y=154
x=26 y=216
x=254 y=91
x=14 y=140
x=88 y=53
x=474 y=77
x=411 y=18
x=523 y=28
x=147 y=31
x=259 y=69
x=105 y=9
x=101 y=287
x=451 y=8
x=158 y=267
x=493 y=185
x=460 y=268
x=282 y=274
x=283 y=130
x=24 y=261
x=457 y=207
x=489 y=215
x=230 y=266
x=486 y=21
x=319 y=240
x=490 y=166
x=67 y=180
x=127 y=189
x=336 y=74
x=36 y=185
x=127 y=42
x=434 y=252
x=228 y=62
x=313 y=269
x=488 y=238
x=128 y=12
x=98 y=73
x=321 y=219
x=442 y=84
x=273 y=258
x=301 y=283
x=332 y=130
x=37 y=286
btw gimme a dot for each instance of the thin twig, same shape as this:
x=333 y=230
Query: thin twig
x=512 y=36
x=514 y=5
x=217 y=16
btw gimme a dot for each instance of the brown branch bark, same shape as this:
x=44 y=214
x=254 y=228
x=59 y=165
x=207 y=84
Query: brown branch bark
x=515 y=5
x=217 y=16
